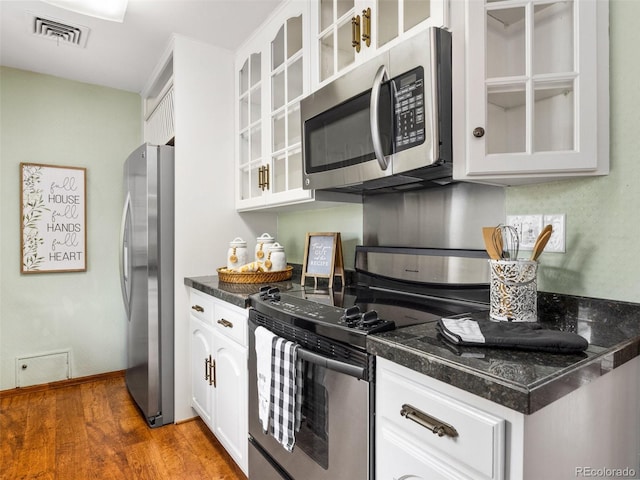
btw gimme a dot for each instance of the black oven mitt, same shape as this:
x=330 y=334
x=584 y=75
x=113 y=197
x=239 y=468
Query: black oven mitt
x=516 y=335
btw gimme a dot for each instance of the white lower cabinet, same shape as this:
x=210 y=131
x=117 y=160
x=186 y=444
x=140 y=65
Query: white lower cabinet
x=471 y=446
x=201 y=356
x=231 y=421
x=219 y=373
x=594 y=427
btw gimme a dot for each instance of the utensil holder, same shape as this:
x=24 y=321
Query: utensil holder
x=514 y=290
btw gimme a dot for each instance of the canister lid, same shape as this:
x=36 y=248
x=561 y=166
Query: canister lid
x=237 y=242
x=276 y=247
x=265 y=238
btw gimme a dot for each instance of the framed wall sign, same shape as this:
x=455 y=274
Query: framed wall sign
x=53 y=232
x=323 y=257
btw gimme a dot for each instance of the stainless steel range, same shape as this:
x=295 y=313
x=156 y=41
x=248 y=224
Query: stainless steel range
x=395 y=287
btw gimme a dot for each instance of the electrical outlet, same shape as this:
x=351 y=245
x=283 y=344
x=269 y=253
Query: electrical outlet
x=528 y=228
x=558 y=237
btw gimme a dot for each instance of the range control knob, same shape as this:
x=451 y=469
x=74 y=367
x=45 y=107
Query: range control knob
x=269 y=293
x=351 y=316
x=369 y=318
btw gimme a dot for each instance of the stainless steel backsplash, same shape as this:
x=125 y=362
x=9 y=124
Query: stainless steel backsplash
x=450 y=216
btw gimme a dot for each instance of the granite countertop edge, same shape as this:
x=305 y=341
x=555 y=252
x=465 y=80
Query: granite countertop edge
x=526 y=399
x=209 y=285
x=520 y=397
x=473 y=381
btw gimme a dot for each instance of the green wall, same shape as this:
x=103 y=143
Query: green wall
x=603 y=214
x=49 y=120
x=346 y=219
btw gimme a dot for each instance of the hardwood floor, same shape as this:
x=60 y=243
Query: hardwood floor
x=94 y=431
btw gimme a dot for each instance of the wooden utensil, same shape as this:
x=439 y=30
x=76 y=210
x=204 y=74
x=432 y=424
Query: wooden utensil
x=487 y=235
x=541 y=242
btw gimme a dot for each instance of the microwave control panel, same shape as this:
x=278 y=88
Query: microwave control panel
x=408 y=93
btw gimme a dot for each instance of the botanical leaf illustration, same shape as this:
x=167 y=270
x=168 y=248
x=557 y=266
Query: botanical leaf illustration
x=33 y=207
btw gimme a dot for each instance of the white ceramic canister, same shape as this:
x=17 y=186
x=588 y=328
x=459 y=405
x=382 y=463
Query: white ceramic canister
x=237 y=253
x=276 y=259
x=263 y=243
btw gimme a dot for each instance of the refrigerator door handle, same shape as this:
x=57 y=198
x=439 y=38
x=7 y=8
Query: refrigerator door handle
x=124 y=255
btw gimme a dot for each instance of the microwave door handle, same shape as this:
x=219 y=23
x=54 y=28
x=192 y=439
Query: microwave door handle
x=381 y=76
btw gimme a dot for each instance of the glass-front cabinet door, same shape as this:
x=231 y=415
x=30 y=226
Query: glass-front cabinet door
x=272 y=79
x=336 y=27
x=250 y=134
x=533 y=87
x=287 y=78
x=348 y=32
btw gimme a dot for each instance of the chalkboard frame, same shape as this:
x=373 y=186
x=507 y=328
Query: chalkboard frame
x=37 y=181
x=334 y=262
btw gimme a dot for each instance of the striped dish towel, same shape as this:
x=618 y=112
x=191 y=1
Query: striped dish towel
x=286 y=387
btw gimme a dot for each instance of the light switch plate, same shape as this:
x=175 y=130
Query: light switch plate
x=557 y=241
x=528 y=227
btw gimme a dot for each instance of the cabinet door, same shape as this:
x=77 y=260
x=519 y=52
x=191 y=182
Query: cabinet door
x=231 y=376
x=334 y=34
x=201 y=369
x=250 y=100
x=400 y=458
x=288 y=79
x=273 y=75
x=348 y=32
x=535 y=89
x=394 y=19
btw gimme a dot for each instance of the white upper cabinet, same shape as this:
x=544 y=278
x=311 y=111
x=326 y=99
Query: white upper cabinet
x=272 y=77
x=158 y=107
x=302 y=44
x=535 y=94
x=347 y=32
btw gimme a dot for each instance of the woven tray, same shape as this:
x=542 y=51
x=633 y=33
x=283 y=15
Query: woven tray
x=229 y=276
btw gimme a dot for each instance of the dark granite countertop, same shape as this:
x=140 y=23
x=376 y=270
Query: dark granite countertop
x=521 y=380
x=235 y=293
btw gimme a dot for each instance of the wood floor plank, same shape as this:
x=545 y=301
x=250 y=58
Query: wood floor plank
x=93 y=430
x=40 y=437
x=72 y=440
x=13 y=418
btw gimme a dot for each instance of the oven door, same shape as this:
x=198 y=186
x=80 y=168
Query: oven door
x=333 y=441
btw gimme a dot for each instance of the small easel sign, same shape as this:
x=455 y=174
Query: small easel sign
x=323 y=257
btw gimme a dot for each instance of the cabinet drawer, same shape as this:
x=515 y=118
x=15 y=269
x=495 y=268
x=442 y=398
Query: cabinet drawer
x=403 y=458
x=201 y=306
x=475 y=450
x=231 y=321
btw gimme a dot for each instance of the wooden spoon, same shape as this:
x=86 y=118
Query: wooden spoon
x=487 y=235
x=541 y=242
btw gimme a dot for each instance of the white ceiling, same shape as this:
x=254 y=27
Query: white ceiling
x=123 y=55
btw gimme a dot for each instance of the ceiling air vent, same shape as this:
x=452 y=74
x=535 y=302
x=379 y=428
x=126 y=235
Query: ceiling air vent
x=61 y=32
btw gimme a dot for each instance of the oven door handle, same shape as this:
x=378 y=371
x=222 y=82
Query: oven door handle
x=340 y=367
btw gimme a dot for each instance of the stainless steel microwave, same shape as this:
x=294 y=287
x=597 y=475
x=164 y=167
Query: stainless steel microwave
x=386 y=124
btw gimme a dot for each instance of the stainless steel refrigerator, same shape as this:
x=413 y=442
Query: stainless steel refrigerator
x=146 y=271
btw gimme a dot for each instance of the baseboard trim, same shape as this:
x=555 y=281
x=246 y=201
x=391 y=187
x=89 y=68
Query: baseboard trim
x=61 y=384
